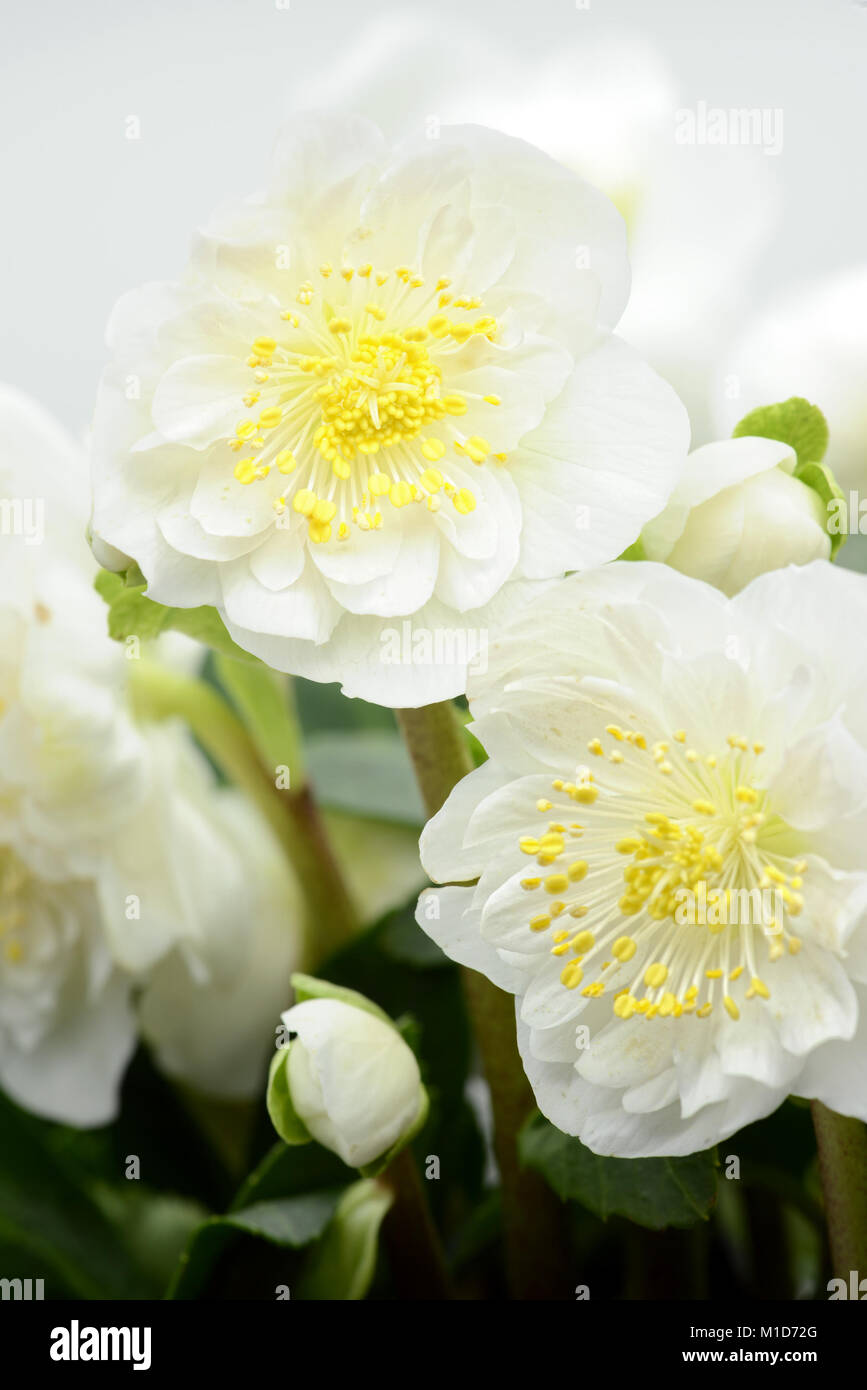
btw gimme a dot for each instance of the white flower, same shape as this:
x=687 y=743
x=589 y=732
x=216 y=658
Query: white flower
x=114 y=849
x=353 y=1081
x=738 y=512
x=386 y=388
x=209 y=1007
x=809 y=343
x=663 y=757
x=699 y=216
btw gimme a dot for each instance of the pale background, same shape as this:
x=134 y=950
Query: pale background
x=88 y=212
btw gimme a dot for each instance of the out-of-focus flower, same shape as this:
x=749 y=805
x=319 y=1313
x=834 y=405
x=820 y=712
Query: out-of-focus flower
x=114 y=849
x=698 y=215
x=209 y=1006
x=385 y=389
x=668 y=840
x=737 y=512
x=809 y=343
x=345 y=1077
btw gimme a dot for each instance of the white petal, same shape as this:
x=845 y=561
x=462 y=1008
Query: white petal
x=602 y=463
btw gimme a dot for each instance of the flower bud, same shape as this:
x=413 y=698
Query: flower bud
x=346 y=1078
x=738 y=512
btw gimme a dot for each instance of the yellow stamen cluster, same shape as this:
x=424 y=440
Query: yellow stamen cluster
x=335 y=391
x=700 y=844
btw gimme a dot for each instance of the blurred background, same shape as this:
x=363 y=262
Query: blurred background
x=122 y=126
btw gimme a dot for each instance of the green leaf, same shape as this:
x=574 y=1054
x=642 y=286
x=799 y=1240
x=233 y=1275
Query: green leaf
x=343 y=1263
x=53 y=1221
x=402 y=939
x=653 y=1192
x=290 y=1222
x=132 y=614
x=794 y=422
x=365 y=773
x=273 y=1205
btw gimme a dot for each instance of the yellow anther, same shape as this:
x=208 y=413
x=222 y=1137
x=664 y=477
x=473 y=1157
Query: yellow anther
x=324 y=511
x=572 y=975
x=464 y=501
x=629 y=844
x=245 y=471
x=433 y=449
x=624 y=948
x=585 y=794
x=655 y=975
x=399 y=494
x=304 y=501
x=731 y=1007
x=556 y=883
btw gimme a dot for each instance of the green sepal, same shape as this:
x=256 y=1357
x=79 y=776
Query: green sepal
x=309 y=987
x=794 y=422
x=284 y=1117
x=343 y=1261
x=821 y=480
x=635 y=551
x=132 y=614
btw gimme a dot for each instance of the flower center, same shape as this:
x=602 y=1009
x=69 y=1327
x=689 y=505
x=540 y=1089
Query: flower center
x=352 y=400
x=706 y=888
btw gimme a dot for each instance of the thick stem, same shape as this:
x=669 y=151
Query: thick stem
x=534 y=1220
x=414 y=1251
x=842 y=1144
x=291 y=812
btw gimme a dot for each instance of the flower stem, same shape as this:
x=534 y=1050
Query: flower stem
x=534 y=1220
x=414 y=1251
x=842 y=1144
x=290 y=811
